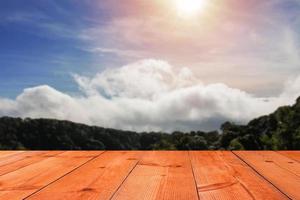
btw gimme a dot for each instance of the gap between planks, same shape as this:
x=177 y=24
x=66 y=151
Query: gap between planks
x=114 y=193
x=256 y=171
x=193 y=175
x=100 y=153
x=262 y=176
x=19 y=163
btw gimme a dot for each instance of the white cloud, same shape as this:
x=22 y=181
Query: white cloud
x=144 y=79
x=119 y=52
x=147 y=95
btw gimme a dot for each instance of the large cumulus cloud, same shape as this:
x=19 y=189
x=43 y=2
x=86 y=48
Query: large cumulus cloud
x=147 y=95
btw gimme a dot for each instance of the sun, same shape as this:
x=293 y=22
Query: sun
x=189 y=7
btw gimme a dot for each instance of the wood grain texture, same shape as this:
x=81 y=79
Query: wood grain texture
x=160 y=175
x=98 y=179
x=221 y=175
x=4 y=154
x=19 y=160
x=295 y=155
x=27 y=180
x=149 y=175
x=280 y=170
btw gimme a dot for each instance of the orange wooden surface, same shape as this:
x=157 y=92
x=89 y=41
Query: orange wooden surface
x=121 y=175
x=160 y=175
x=19 y=160
x=221 y=175
x=98 y=179
x=280 y=170
x=295 y=155
x=8 y=153
x=27 y=180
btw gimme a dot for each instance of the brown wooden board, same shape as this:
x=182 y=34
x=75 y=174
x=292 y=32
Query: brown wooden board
x=4 y=154
x=98 y=179
x=27 y=180
x=295 y=155
x=160 y=175
x=19 y=160
x=221 y=175
x=149 y=175
x=280 y=170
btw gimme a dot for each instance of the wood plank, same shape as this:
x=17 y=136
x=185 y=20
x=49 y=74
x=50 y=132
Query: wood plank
x=295 y=155
x=221 y=175
x=27 y=180
x=278 y=169
x=98 y=179
x=4 y=154
x=17 y=161
x=160 y=175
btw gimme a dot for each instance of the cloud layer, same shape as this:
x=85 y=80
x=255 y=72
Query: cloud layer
x=147 y=95
x=255 y=43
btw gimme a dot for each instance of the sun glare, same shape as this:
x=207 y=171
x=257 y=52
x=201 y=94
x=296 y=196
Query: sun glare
x=189 y=7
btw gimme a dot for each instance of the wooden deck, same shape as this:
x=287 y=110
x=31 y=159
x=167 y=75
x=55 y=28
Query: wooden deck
x=138 y=175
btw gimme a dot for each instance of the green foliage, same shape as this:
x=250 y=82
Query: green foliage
x=277 y=131
x=163 y=144
x=235 y=145
x=47 y=134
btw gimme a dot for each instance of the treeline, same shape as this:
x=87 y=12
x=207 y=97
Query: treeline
x=277 y=131
x=48 y=134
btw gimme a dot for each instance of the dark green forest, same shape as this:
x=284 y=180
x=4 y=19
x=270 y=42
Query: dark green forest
x=277 y=131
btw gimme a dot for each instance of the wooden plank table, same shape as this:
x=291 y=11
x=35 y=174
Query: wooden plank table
x=122 y=175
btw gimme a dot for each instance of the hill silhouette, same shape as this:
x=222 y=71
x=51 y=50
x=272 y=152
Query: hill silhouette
x=277 y=131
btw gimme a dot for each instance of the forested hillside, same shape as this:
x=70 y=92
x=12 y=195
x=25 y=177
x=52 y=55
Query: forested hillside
x=279 y=130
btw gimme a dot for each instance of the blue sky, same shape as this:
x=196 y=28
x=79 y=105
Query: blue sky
x=40 y=44
x=133 y=55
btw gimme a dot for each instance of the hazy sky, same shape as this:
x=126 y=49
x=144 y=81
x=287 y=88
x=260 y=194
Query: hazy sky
x=148 y=65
